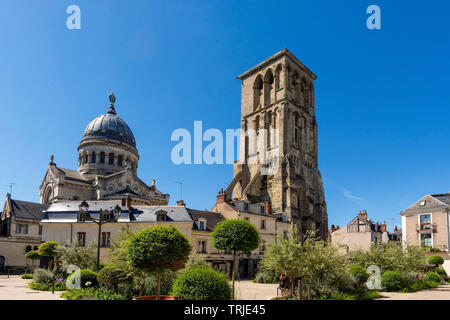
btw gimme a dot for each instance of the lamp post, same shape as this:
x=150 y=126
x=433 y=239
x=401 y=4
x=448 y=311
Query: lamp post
x=104 y=216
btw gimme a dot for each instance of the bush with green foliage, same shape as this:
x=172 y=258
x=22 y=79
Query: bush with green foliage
x=84 y=257
x=234 y=236
x=436 y=260
x=432 y=276
x=166 y=282
x=92 y=294
x=27 y=276
x=418 y=285
x=359 y=274
x=33 y=255
x=393 y=281
x=442 y=273
x=202 y=283
x=59 y=286
x=49 y=249
x=88 y=278
x=43 y=276
x=391 y=258
x=266 y=276
x=158 y=249
x=112 y=275
x=196 y=260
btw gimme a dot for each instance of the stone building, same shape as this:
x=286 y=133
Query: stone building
x=107 y=167
x=361 y=233
x=20 y=232
x=278 y=120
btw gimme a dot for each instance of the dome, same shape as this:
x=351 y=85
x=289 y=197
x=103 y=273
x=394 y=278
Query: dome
x=109 y=127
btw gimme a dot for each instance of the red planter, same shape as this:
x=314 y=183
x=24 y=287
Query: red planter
x=154 y=298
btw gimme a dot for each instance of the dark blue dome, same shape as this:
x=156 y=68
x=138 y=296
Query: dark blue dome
x=109 y=126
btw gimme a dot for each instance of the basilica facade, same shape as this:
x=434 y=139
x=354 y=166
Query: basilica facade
x=107 y=167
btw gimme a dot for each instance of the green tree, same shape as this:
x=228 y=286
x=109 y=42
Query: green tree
x=32 y=255
x=85 y=257
x=436 y=260
x=234 y=236
x=112 y=275
x=157 y=249
x=49 y=249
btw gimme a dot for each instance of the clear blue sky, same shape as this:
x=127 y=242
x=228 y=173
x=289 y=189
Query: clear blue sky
x=382 y=96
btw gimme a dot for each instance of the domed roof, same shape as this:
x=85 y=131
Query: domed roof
x=109 y=126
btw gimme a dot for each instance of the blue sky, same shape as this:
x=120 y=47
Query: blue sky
x=382 y=96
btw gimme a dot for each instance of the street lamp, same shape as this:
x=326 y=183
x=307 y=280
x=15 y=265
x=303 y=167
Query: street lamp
x=105 y=216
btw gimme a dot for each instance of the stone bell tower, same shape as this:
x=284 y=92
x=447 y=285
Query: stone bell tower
x=278 y=108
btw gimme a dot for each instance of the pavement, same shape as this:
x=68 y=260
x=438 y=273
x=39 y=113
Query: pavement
x=439 y=293
x=16 y=288
x=247 y=290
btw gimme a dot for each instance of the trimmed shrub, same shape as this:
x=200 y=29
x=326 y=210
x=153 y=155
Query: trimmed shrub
x=436 y=260
x=359 y=274
x=393 y=281
x=88 y=278
x=202 y=283
x=48 y=248
x=43 y=276
x=432 y=276
x=33 y=255
x=112 y=275
x=442 y=273
x=27 y=276
x=59 y=286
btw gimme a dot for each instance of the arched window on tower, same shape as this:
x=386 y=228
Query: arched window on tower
x=120 y=160
x=268 y=87
x=86 y=158
x=306 y=93
x=93 y=157
x=111 y=158
x=296 y=130
x=102 y=157
x=278 y=77
x=296 y=87
x=257 y=92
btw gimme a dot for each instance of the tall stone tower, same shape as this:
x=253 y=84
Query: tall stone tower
x=278 y=94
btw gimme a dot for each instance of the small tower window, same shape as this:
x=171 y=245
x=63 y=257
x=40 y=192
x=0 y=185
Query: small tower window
x=93 y=157
x=102 y=157
x=120 y=160
x=111 y=158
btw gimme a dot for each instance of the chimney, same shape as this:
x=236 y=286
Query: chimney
x=268 y=207
x=181 y=203
x=337 y=228
x=124 y=202
x=383 y=227
x=128 y=202
x=395 y=229
x=363 y=214
x=333 y=228
x=221 y=196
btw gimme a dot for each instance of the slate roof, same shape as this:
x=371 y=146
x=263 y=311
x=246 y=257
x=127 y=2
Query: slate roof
x=74 y=175
x=109 y=126
x=212 y=218
x=67 y=211
x=444 y=197
x=27 y=210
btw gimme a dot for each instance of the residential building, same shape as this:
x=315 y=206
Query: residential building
x=20 y=232
x=360 y=234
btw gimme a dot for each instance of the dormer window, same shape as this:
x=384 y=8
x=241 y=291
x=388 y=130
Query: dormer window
x=246 y=206
x=202 y=224
x=161 y=215
x=262 y=209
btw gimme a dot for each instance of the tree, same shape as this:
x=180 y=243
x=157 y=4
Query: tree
x=158 y=249
x=436 y=260
x=234 y=236
x=112 y=275
x=85 y=257
x=49 y=249
x=32 y=255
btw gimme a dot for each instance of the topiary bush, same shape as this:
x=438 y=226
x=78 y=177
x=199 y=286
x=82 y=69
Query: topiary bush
x=43 y=276
x=393 y=281
x=442 y=273
x=88 y=278
x=432 y=276
x=359 y=274
x=436 y=260
x=202 y=283
x=112 y=275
